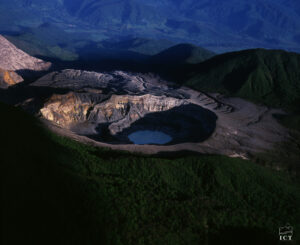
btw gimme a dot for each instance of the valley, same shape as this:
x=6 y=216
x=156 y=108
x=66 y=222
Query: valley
x=216 y=25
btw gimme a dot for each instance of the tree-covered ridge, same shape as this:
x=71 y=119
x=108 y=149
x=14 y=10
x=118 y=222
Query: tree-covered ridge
x=271 y=77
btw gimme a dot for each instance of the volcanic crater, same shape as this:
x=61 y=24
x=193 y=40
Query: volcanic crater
x=121 y=110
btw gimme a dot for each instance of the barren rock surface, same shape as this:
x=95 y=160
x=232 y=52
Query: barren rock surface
x=104 y=108
x=8 y=78
x=13 y=59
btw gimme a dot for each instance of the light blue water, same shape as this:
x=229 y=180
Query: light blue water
x=143 y=137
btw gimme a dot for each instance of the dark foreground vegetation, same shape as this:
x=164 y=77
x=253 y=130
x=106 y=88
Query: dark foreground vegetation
x=57 y=191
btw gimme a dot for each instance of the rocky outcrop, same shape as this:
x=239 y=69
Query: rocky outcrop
x=8 y=78
x=117 y=82
x=13 y=60
x=120 y=111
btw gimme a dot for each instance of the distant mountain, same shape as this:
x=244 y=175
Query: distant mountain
x=121 y=12
x=14 y=60
x=271 y=77
x=47 y=40
x=214 y=24
x=144 y=46
x=182 y=54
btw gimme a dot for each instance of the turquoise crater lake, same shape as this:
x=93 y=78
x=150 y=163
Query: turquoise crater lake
x=143 y=137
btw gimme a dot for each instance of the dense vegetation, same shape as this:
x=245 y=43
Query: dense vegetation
x=270 y=77
x=57 y=191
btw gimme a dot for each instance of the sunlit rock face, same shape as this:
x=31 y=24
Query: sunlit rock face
x=13 y=60
x=9 y=78
x=120 y=111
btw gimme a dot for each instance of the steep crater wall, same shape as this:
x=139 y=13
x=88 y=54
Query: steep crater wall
x=112 y=118
x=185 y=123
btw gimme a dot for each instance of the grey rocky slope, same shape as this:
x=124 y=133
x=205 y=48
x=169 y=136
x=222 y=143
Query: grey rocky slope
x=109 y=106
x=13 y=60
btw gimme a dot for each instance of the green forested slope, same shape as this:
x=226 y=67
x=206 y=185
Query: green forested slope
x=57 y=191
x=271 y=77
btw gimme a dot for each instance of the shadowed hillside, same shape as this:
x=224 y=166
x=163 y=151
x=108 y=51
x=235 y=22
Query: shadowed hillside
x=139 y=45
x=182 y=54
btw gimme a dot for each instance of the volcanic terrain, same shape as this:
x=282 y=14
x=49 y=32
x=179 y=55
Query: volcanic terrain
x=107 y=108
x=14 y=63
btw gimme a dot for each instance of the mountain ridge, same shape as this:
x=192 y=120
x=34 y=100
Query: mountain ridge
x=216 y=25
